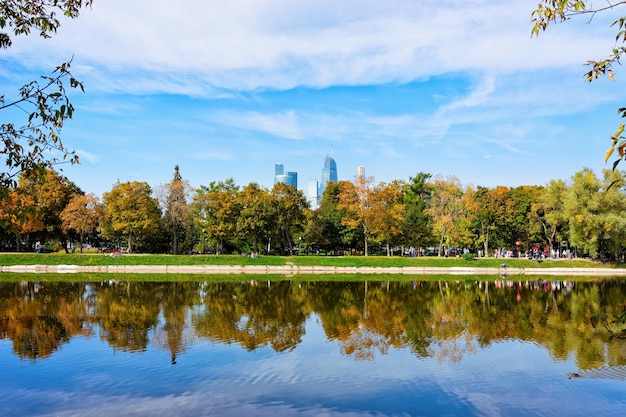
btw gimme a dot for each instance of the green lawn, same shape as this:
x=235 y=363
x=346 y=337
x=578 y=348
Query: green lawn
x=347 y=261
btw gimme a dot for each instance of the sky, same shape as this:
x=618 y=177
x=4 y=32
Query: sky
x=228 y=89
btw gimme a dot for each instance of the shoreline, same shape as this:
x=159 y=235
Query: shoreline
x=305 y=270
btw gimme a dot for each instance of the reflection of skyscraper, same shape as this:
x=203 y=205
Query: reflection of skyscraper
x=289 y=178
x=329 y=173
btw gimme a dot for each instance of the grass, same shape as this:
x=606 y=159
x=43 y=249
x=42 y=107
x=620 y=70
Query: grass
x=91 y=259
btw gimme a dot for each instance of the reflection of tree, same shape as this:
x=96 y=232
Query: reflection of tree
x=442 y=319
x=253 y=315
x=126 y=312
x=39 y=318
x=177 y=297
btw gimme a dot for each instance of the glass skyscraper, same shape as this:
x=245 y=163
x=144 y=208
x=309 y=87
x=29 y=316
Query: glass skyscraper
x=329 y=173
x=289 y=178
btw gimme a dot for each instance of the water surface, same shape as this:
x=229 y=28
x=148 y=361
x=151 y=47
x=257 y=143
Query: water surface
x=375 y=348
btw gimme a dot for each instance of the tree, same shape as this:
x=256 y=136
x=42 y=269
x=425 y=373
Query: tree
x=289 y=205
x=549 y=210
x=130 y=212
x=35 y=143
x=445 y=207
x=80 y=216
x=596 y=213
x=51 y=192
x=174 y=198
x=256 y=219
x=553 y=11
x=386 y=213
x=217 y=209
x=354 y=204
x=417 y=224
x=19 y=215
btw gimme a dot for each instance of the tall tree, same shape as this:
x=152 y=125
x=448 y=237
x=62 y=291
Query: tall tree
x=256 y=220
x=19 y=215
x=354 y=206
x=174 y=198
x=130 y=212
x=217 y=209
x=80 y=216
x=445 y=208
x=549 y=211
x=52 y=193
x=417 y=224
x=35 y=143
x=289 y=205
x=386 y=213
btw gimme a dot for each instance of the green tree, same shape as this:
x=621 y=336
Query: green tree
x=35 y=143
x=257 y=219
x=289 y=205
x=417 y=224
x=549 y=211
x=324 y=229
x=130 y=212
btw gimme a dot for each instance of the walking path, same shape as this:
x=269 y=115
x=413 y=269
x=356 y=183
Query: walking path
x=307 y=270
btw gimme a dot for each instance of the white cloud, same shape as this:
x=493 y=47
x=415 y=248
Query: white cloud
x=201 y=48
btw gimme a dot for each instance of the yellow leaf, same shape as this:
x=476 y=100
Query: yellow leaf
x=611 y=75
x=608 y=154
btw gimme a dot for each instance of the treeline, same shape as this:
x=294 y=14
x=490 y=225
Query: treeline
x=585 y=215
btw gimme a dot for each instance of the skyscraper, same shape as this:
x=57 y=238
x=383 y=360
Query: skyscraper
x=329 y=173
x=311 y=194
x=289 y=177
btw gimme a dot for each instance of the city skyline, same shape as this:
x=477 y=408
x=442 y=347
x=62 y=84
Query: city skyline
x=444 y=87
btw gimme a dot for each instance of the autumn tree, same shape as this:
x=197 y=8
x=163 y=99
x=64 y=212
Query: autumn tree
x=216 y=210
x=445 y=207
x=52 y=192
x=554 y=11
x=385 y=215
x=130 y=212
x=354 y=206
x=19 y=215
x=34 y=143
x=174 y=198
x=80 y=216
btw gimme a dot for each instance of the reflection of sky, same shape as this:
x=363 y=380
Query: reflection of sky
x=88 y=377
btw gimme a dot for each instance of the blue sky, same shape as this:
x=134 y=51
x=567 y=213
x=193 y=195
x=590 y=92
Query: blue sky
x=228 y=89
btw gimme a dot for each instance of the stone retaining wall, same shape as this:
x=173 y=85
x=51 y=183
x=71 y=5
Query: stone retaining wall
x=310 y=270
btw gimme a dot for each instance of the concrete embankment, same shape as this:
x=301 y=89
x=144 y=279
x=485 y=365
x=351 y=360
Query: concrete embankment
x=305 y=270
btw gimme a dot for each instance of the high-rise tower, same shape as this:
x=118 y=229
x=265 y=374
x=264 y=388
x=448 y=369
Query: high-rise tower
x=289 y=177
x=329 y=173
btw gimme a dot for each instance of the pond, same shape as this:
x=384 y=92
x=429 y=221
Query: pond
x=460 y=347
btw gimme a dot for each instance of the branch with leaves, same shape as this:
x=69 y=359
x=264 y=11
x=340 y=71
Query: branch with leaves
x=556 y=11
